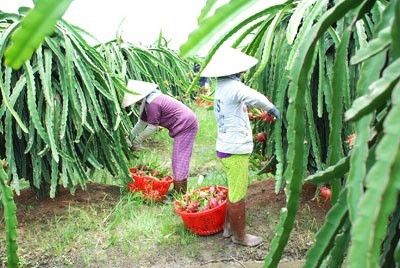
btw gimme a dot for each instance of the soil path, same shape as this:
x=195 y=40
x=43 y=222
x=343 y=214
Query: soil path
x=29 y=208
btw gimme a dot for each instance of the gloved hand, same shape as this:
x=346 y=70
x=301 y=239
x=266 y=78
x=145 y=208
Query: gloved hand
x=274 y=112
x=139 y=133
x=150 y=129
x=138 y=128
x=133 y=146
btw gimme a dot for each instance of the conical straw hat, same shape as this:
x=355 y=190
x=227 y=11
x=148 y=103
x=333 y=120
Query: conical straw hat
x=227 y=61
x=141 y=88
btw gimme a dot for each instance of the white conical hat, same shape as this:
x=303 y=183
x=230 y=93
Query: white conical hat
x=141 y=88
x=227 y=61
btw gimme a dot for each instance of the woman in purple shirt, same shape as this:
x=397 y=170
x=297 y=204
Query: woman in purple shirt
x=157 y=109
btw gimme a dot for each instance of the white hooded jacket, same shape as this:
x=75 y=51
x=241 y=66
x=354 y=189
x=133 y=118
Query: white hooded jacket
x=231 y=100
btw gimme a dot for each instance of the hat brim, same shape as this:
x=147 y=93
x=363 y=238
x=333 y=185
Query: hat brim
x=131 y=99
x=227 y=61
x=140 y=90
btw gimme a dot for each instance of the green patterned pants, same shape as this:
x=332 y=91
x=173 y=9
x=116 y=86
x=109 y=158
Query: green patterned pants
x=236 y=168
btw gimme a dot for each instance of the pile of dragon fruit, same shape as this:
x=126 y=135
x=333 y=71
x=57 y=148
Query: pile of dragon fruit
x=201 y=199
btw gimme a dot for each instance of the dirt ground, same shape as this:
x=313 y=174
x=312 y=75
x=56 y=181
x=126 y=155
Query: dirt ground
x=263 y=207
x=30 y=209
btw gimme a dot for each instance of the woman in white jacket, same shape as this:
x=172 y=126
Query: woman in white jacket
x=235 y=139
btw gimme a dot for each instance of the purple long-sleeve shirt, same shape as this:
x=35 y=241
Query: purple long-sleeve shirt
x=170 y=113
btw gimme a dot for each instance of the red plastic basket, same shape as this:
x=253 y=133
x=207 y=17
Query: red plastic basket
x=206 y=222
x=150 y=187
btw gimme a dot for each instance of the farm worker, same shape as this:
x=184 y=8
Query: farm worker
x=234 y=139
x=158 y=109
x=203 y=81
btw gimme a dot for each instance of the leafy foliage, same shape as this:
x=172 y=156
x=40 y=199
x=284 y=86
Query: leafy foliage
x=36 y=25
x=303 y=50
x=10 y=218
x=157 y=64
x=61 y=119
x=61 y=113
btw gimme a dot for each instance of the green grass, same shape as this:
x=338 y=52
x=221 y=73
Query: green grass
x=137 y=226
x=56 y=236
x=132 y=227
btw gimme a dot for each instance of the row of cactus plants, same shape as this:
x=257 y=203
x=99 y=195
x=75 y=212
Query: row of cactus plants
x=61 y=118
x=332 y=68
x=309 y=72
x=155 y=63
x=57 y=109
x=62 y=108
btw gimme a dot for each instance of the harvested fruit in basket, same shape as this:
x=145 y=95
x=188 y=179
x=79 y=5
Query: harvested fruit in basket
x=201 y=199
x=143 y=170
x=153 y=184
